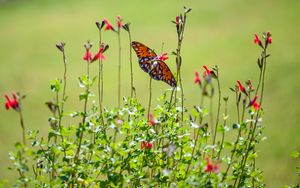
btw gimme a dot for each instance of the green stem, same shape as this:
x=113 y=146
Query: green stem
x=119 y=71
x=248 y=147
x=218 y=111
x=23 y=127
x=150 y=97
x=131 y=70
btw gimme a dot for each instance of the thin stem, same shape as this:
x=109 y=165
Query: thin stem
x=100 y=80
x=218 y=111
x=23 y=127
x=119 y=71
x=131 y=70
x=223 y=134
x=150 y=96
x=84 y=113
x=64 y=90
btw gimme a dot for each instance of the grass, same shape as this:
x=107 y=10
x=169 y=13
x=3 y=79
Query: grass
x=217 y=33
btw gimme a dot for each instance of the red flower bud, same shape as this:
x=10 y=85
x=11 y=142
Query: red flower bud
x=242 y=88
x=257 y=40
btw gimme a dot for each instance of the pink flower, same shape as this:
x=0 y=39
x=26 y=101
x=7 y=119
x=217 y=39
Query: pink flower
x=146 y=145
x=119 y=121
x=210 y=167
x=253 y=103
x=257 y=40
x=108 y=25
x=163 y=56
x=269 y=39
x=99 y=55
x=151 y=120
x=197 y=79
x=242 y=88
x=119 y=22
x=12 y=103
x=88 y=56
x=207 y=71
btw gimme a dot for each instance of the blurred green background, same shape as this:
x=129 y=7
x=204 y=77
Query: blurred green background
x=217 y=33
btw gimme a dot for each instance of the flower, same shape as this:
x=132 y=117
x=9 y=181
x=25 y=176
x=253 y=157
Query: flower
x=197 y=80
x=108 y=25
x=257 y=40
x=12 y=103
x=254 y=104
x=163 y=56
x=210 y=167
x=207 y=71
x=99 y=55
x=88 y=56
x=119 y=22
x=177 y=20
x=146 y=145
x=151 y=120
x=269 y=39
x=242 y=88
x=119 y=121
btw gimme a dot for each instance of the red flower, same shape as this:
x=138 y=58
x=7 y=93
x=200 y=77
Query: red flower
x=99 y=55
x=14 y=103
x=269 y=39
x=108 y=25
x=242 y=88
x=253 y=103
x=177 y=21
x=119 y=22
x=210 y=167
x=207 y=71
x=163 y=56
x=197 y=80
x=257 y=40
x=151 y=120
x=146 y=145
x=88 y=56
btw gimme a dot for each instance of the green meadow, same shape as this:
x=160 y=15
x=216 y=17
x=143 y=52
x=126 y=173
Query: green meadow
x=217 y=33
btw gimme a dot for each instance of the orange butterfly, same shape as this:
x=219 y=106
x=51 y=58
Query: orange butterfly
x=151 y=64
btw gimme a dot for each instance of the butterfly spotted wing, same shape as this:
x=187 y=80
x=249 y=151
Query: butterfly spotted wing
x=149 y=62
x=161 y=71
x=145 y=55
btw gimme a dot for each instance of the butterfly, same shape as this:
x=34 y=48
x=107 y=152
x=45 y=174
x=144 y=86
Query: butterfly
x=151 y=64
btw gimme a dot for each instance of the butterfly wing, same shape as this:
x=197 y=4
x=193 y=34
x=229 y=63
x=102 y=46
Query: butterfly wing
x=145 y=55
x=161 y=71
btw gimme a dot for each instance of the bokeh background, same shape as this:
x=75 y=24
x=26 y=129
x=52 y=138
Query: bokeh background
x=217 y=33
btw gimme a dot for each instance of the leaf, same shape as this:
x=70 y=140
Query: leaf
x=295 y=154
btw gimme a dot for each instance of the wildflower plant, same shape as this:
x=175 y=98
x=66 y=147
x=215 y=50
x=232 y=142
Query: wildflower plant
x=131 y=146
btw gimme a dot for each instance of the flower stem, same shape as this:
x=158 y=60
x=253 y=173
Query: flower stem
x=219 y=107
x=23 y=127
x=84 y=113
x=252 y=133
x=100 y=82
x=131 y=70
x=150 y=97
x=223 y=134
x=119 y=71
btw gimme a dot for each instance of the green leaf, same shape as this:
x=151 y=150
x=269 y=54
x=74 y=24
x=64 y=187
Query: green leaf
x=295 y=154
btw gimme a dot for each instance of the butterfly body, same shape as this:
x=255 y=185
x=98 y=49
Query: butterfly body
x=151 y=64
